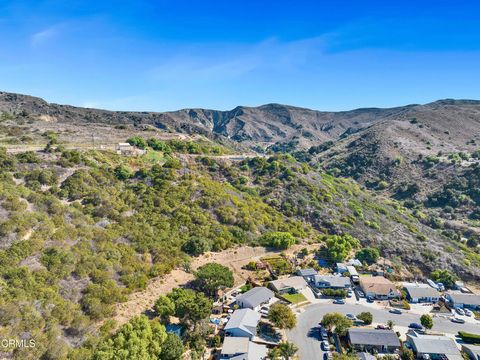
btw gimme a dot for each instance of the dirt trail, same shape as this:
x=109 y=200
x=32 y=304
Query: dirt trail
x=235 y=258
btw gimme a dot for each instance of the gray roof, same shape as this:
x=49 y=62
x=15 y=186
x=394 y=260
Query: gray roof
x=433 y=344
x=334 y=281
x=243 y=348
x=473 y=349
x=256 y=296
x=245 y=319
x=296 y=282
x=306 y=272
x=374 y=337
x=420 y=291
x=468 y=299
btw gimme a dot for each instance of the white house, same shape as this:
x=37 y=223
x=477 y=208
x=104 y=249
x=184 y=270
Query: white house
x=255 y=298
x=243 y=323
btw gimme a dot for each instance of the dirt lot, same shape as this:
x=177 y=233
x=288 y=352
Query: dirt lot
x=235 y=258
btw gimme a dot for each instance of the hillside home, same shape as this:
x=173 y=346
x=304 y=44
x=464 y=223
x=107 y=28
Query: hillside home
x=461 y=300
x=434 y=347
x=307 y=274
x=421 y=293
x=289 y=285
x=378 y=287
x=331 y=282
x=243 y=323
x=241 y=348
x=255 y=298
x=381 y=341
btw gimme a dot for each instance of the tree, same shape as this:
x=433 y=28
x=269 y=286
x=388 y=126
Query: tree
x=340 y=246
x=278 y=240
x=172 y=348
x=337 y=322
x=390 y=324
x=282 y=316
x=213 y=276
x=368 y=255
x=273 y=354
x=427 y=321
x=137 y=141
x=164 y=307
x=190 y=306
x=140 y=338
x=196 y=246
x=366 y=317
x=123 y=172
x=287 y=349
x=407 y=354
x=444 y=276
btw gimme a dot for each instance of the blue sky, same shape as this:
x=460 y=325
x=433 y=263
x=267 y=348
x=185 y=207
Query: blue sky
x=166 y=55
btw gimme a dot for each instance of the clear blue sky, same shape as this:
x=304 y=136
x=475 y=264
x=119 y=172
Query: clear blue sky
x=165 y=55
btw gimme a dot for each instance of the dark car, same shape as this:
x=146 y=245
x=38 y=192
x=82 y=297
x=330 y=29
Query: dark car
x=415 y=326
x=370 y=299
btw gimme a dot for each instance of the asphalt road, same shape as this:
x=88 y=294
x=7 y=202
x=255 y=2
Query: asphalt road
x=306 y=335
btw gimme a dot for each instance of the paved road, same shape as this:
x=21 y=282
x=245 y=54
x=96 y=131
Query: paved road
x=305 y=334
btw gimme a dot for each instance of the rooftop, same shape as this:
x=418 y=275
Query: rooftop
x=421 y=291
x=374 y=337
x=256 y=296
x=243 y=319
x=377 y=284
x=291 y=282
x=243 y=348
x=306 y=272
x=433 y=344
x=460 y=298
x=334 y=281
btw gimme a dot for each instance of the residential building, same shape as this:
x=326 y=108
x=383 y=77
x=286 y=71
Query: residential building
x=243 y=323
x=307 y=274
x=381 y=341
x=473 y=351
x=434 y=347
x=241 y=348
x=354 y=262
x=332 y=282
x=365 y=356
x=421 y=293
x=290 y=285
x=378 y=287
x=255 y=298
x=461 y=300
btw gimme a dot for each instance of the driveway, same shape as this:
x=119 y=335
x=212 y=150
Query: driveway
x=306 y=335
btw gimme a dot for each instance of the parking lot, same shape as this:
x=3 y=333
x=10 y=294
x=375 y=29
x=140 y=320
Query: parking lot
x=306 y=334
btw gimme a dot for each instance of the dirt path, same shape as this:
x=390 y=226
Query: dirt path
x=235 y=258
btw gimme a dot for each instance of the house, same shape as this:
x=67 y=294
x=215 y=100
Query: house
x=240 y=348
x=243 y=323
x=176 y=329
x=354 y=262
x=473 y=351
x=421 y=293
x=290 y=285
x=307 y=274
x=434 y=347
x=255 y=298
x=378 y=287
x=331 y=282
x=461 y=300
x=341 y=268
x=382 y=341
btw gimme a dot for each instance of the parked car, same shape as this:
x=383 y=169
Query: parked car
x=458 y=320
x=349 y=293
x=325 y=345
x=468 y=312
x=339 y=301
x=460 y=311
x=370 y=299
x=263 y=312
x=360 y=293
x=351 y=317
x=415 y=326
x=328 y=356
x=395 y=311
x=323 y=334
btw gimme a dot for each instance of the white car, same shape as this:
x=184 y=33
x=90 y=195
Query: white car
x=460 y=311
x=468 y=312
x=325 y=345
